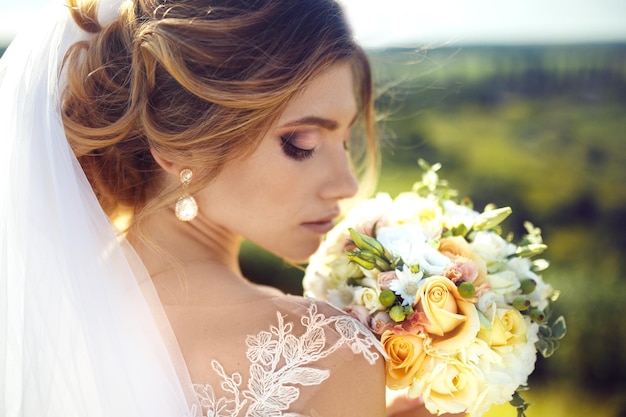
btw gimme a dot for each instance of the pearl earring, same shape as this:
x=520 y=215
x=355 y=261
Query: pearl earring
x=186 y=206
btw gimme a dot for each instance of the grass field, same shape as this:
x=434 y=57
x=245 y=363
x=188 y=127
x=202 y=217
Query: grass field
x=564 y=400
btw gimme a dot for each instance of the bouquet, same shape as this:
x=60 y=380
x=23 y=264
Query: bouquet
x=461 y=310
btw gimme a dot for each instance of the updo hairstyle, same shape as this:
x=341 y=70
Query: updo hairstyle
x=199 y=81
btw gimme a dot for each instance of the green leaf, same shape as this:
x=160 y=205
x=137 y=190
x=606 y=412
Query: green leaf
x=545 y=332
x=519 y=403
x=545 y=347
x=559 y=328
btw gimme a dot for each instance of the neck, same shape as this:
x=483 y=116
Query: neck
x=164 y=242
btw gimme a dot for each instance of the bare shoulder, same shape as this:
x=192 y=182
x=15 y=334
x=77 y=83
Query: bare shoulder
x=248 y=329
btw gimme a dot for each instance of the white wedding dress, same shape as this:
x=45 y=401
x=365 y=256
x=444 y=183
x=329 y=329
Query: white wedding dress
x=82 y=331
x=280 y=373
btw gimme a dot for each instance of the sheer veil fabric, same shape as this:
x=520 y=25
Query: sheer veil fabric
x=82 y=332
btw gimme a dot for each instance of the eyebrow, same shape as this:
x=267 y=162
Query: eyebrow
x=322 y=122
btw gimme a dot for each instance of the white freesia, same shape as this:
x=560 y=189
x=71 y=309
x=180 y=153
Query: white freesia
x=489 y=299
x=521 y=268
x=410 y=208
x=504 y=282
x=542 y=294
x=456 y=214
x=492 y=248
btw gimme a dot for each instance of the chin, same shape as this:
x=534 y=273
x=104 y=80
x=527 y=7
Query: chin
x=300 y=254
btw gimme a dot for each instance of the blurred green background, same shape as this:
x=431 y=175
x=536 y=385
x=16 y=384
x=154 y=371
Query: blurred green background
x=542 y=129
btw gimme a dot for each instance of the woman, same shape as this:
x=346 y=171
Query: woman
x=199 y=124
x=256 y=101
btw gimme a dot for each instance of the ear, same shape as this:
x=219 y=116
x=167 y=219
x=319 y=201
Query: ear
x=167 y=165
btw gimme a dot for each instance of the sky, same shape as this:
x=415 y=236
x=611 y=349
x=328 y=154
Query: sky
x=418 y=22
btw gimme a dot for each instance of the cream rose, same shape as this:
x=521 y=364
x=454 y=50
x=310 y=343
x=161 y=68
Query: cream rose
x=446 y=386
x=405 y=354
x=368 y=298
x=453 y=321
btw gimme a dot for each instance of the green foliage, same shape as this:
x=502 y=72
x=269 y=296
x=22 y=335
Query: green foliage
x=519 y=403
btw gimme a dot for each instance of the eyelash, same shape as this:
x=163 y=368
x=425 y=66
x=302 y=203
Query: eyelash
x=293 y=151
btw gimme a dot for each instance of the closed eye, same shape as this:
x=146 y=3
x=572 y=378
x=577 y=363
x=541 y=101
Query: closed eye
x=293 y=151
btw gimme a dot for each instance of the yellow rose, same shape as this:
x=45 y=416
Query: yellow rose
x=453 y=321
x=445 y=385
x=405 y=354
x=508 y=327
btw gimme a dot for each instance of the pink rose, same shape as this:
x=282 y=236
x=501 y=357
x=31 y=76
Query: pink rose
x=386 y=278
x=462 y=271
x=380 y=322
x=457 y=248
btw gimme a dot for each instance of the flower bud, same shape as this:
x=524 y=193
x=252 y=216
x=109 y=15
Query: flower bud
x=537 y=315
x=521 y=303
x=362 y=259
x=492 y=218
x=397 y=313
x=528 y=285
x=531 y=249
x=387 y=298
x=367 y=243
x=467 y=289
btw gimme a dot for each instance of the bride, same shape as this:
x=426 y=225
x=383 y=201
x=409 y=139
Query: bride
x=192 y=125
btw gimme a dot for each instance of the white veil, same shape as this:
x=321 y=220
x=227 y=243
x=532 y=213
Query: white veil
x=81 y=330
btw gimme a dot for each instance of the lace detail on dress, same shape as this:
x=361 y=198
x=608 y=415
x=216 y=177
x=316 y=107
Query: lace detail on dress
x=280 y=364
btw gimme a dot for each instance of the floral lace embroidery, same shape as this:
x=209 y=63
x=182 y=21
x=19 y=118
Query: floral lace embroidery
x=279 y=364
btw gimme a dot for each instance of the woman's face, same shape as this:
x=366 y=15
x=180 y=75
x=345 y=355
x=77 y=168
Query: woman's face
x=285 y=196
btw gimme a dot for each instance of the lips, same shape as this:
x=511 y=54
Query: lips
x=322 y=225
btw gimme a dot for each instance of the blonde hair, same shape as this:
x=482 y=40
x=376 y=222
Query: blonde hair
x=199 y=82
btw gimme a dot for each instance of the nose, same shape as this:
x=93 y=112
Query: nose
x=340 y=182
